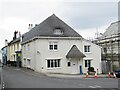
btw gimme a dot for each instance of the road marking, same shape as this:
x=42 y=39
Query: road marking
x=97 y=86
x=92 y=87
x=3 y=86
x=17 y=69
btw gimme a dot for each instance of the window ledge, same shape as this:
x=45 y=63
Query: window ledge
x=53 y=68
x=53 y=50
x=88 y=52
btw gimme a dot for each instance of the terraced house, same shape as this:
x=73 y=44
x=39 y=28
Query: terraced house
x=14 y=51
x=54 y=47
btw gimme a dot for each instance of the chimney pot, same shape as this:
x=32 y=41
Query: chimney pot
x=6 y=42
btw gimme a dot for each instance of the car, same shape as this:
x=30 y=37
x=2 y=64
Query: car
x=117 y=73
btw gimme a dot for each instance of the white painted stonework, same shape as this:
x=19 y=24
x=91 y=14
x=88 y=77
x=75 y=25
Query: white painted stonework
x=35 y=54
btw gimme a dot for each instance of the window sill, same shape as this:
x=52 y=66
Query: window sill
x=53 y=68
x=53 y=50
x=88 y=52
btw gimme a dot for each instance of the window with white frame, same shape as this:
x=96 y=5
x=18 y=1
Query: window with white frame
x=87 y=63
x=53 y=46
x=87 y=48
x=53 y=63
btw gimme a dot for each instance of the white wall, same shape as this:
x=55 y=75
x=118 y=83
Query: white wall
x=11 y=51
x=94 y=55
x=39 y=53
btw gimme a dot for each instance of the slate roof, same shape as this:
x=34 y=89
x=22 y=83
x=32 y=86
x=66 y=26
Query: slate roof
x=47 y=27
x=14 y=41
x=111 y=30
x=75 y=53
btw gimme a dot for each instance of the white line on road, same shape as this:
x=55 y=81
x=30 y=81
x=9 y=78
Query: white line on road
x=92 y=87
x=3 y=86
x=97 y=86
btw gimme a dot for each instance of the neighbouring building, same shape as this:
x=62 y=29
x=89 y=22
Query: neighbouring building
x=14 y=51
x=1 y=54
x=54 y=47
x=4 y=53
x=110 y=43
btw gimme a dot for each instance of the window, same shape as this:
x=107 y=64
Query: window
x=24 y=61
x=58 y=31
x=87 y=63
x=48 y=63
x=87 y=48
x=28 y=63
x=24 y=49
x=28 y=47
x=17 y=46
x=54 y=63
x=53 y=46
x=69 y=64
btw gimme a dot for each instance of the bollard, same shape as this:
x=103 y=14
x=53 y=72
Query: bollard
x=87 y=75
x=95 y=75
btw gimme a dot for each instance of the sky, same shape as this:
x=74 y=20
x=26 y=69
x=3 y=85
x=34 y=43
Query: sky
x=85 y=16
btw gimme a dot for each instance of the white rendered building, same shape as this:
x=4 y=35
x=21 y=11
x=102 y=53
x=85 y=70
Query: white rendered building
x=54 y=47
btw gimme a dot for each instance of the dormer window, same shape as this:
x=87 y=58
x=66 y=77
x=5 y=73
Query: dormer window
x=58 y=31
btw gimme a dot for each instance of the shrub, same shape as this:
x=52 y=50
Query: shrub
x=91 y=69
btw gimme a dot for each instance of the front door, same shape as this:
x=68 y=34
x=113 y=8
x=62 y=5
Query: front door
x=28 y=63
x=74 y=66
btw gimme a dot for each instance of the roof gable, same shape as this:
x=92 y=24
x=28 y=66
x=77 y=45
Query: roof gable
x=47 y=27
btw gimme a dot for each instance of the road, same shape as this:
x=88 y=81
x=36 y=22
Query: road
x=20 y=78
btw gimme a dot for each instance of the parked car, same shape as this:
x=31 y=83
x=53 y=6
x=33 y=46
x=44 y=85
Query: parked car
x=117 y=73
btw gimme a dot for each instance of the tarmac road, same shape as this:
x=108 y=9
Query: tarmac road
x=23 y=78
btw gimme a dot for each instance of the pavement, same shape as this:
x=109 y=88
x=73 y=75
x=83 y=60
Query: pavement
x=74 y=76
x=61 y=75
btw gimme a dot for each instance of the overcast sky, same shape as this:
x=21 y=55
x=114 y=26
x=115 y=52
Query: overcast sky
x=85 y=17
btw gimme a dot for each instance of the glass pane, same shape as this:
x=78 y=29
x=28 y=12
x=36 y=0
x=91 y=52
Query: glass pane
x=88 y=48
x=55 y=63
x=58 y=62
x=69 y=64
x=51 y=47
x=85 y=63
x=85 y=48
x=55 y=47
x=89 y=63
x=51 y=63
x=48 y=63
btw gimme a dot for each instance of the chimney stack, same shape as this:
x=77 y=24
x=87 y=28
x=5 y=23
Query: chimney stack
x=30 y=26
x=6 y=42
x=19 y=34
x=36 y=25
x=15 y=35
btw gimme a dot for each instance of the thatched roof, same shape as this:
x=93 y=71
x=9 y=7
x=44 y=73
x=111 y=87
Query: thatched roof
x=75 y=53
x=47 y=27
